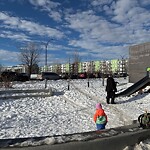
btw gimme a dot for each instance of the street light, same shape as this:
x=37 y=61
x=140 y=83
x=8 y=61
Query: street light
x=46 y=46
x=69 y=76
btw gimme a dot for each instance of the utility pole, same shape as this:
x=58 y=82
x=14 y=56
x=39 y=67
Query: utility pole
x=69 y=76
x=46 y=46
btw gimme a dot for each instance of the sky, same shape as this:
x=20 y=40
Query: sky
x=95 y=29
x=67 y=111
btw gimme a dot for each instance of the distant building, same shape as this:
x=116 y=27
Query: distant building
x=139 y=61
x=97 y=67
x=84 y=66
x=114 y=65
x=17 y=68
x=63 y=68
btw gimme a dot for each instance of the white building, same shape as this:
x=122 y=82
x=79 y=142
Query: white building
x=17 y=68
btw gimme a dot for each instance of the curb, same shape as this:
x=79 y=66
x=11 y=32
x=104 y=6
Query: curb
x=109 y=139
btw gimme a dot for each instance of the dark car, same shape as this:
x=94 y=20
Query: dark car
x=50 y=76
x=9 y=76
x=22 y=77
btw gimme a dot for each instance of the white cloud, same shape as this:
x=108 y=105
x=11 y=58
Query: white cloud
x=128 y=17
x=48 y=6
x=145 y=2
x=44 y=3
x=7 y=56
x=130 y=11
x=134 y=20
x=28 y=26
x=81 y=22
x=55 y=15
x=122 y=8
x=123 y=27
x=38 y=2
x=84 y=44
x=100 y=2
x=102 y=5
x=101 y=28
x=96 y=28
x=15 y=36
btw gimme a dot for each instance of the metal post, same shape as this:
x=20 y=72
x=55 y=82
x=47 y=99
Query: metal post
x=103 y=79
x=88 y=82
x=46 y=63
x=68 y=84
x=45 y=83
x=46 y=56
x=46 y=45
x=69 y=76
x=148 y=73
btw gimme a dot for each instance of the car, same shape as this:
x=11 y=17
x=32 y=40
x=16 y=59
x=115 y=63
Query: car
x=50 y=76
x=64 y=76
x=9 y=76
x=22 y=77
x=82 y=75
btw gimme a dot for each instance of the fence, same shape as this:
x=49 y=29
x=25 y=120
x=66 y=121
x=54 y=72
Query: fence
x=16 y=94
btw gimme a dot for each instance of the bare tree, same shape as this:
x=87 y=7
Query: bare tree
x=57 y=66
x=29 y=55
x=76 y=61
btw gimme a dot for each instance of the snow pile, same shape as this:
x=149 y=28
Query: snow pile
x=143 y=145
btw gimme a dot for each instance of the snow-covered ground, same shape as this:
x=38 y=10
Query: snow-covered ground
x=67 y=111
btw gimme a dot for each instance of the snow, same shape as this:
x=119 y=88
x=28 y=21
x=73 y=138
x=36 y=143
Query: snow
x=143 y=145
x=67 y=111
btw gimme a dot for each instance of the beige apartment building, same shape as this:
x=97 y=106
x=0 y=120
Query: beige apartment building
x=139 y=61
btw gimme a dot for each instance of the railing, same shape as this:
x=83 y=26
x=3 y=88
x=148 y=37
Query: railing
x=16 y=94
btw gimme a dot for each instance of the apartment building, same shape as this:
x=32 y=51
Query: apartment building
x=17 y=68
x=139 y=61
x=96 y=67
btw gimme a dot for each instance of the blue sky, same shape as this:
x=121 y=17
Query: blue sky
x=95 y=29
